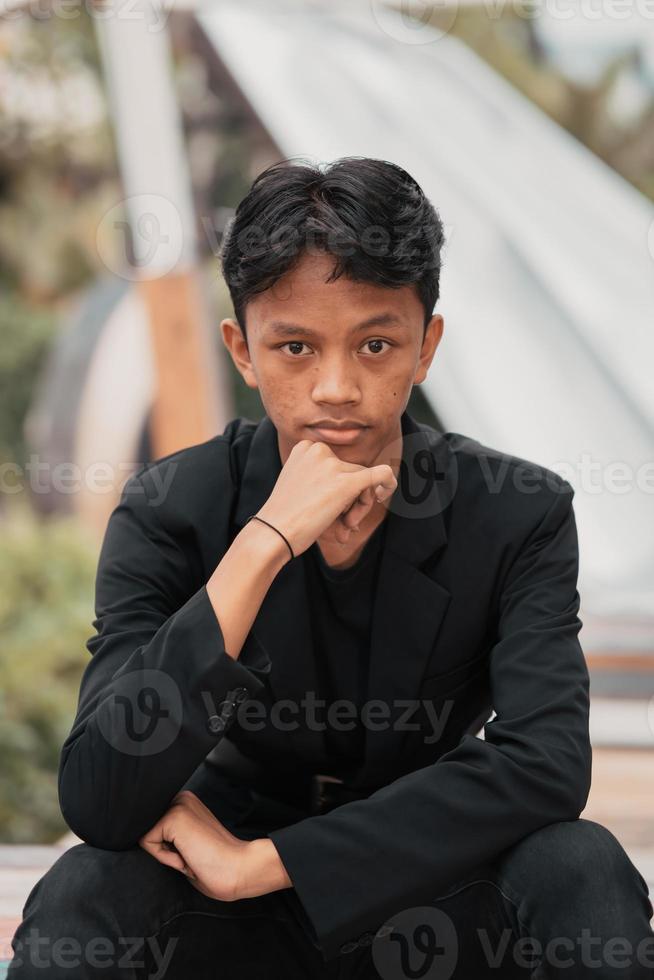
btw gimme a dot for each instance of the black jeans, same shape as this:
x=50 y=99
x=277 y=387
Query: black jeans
x=565 y=901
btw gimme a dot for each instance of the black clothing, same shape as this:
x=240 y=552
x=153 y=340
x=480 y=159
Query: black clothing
x=475 y=610
x=341 y=602
x=530 y=905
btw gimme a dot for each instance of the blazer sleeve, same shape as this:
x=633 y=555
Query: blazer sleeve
x=408 y=842
x=159 y=669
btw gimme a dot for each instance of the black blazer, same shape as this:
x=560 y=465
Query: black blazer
x=475 y=611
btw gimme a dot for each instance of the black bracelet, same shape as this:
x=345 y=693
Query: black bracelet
x=256 y=517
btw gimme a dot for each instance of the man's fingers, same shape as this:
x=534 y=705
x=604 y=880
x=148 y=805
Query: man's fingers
x=380 y=479
x=159 y=841
x=380 y=484
x=361 y=506
x=172 y=859
x=383 y=480
x=163 y=852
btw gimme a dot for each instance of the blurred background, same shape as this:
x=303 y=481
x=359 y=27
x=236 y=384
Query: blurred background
x=128 y=134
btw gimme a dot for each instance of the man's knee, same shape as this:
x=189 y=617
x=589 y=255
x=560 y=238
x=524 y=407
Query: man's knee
x=86 y=902
x=89 y=889
x=86 y=876
x=569 y=855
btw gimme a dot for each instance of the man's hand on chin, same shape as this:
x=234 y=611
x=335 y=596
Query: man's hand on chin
x=190 y=839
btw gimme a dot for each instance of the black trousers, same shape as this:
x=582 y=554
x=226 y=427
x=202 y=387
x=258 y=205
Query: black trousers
x=565 y=901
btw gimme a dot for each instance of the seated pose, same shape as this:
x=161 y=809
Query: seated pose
x=335 y=720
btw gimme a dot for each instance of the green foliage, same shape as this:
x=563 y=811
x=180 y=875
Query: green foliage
x=26 y=334
x=57 y=156
x=47 y=574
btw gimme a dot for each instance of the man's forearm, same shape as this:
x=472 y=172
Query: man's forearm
x=241 y=580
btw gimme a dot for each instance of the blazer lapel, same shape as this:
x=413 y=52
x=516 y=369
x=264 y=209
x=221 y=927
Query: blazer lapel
x=409 y=605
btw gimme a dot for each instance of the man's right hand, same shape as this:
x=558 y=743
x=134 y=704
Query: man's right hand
x=316 y=489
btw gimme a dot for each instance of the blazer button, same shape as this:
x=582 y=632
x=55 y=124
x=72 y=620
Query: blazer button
x=348 y=947
x=240 y=694
x=216 y=725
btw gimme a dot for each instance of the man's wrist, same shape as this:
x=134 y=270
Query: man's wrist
x=263 y=870
x=266 y=544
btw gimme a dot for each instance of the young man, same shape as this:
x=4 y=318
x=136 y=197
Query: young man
x=302 y=626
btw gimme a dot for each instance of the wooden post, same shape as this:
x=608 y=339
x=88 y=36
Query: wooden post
x=189 y=406
x=184 y=411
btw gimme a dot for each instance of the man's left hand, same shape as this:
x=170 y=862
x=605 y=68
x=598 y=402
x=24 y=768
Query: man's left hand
x=192 y=840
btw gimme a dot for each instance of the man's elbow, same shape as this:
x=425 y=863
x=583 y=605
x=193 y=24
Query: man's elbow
x=91 y=828
x=92 y=821
x=573 y=780
x=581 y=782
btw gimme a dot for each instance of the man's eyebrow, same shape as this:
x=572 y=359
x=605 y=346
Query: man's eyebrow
x=283 y=329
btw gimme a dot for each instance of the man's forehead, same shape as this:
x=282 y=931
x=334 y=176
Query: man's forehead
x=293 y=304
x=283 y=328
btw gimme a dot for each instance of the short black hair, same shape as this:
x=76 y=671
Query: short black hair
x=370 y=214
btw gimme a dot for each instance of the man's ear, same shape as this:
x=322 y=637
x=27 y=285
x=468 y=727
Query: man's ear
x=430 y=342
x=235 y=342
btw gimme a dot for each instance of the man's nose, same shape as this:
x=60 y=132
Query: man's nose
x=337 y=380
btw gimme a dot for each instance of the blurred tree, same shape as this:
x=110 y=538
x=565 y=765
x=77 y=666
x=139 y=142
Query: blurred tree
x=509 y=42
x=56 y=152
x=47 y=574
x=26 y=334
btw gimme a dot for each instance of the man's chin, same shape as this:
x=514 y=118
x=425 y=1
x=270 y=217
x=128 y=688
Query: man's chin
x=354 y=454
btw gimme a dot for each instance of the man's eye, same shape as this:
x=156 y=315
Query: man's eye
x=378 y=341
x=292 y=343
x=299 y=344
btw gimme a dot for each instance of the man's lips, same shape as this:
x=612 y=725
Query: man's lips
x=338 y=435
x=345 y=424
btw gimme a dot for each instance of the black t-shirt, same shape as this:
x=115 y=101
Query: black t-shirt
x=341 y=602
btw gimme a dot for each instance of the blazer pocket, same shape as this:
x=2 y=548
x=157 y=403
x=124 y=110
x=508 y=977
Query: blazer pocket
x=449 y=681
